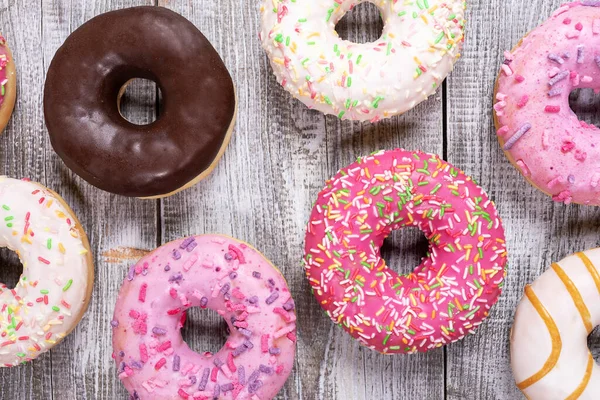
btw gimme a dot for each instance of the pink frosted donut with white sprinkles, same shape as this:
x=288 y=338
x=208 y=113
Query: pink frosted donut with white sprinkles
x=207 y=271
x=448 y=295
x=538 y=131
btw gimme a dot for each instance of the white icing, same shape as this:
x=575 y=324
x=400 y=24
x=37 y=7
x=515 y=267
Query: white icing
x=35 y=224
x=362 y=81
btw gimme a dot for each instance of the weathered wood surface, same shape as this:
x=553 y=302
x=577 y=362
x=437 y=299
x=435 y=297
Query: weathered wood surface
x=262 y=192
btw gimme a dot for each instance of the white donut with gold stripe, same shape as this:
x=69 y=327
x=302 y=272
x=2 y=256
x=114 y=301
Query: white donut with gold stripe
x=549 y=354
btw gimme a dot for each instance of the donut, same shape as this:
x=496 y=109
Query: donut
x=87 y=76
x=420 y=43
x=8 y=83
x=221 y=274
x=548 y=344
x=448 y=295
x=53 y=292
x=539 y=133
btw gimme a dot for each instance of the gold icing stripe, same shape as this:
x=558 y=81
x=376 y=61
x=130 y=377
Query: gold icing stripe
x=584 y=382
x=591 y=268
x=554 y=336
x=576 y=296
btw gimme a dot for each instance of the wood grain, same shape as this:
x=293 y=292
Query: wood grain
x=262 y=191
x=538 y=231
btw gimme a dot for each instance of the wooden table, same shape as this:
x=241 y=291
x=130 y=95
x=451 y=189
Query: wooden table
x=262 y=191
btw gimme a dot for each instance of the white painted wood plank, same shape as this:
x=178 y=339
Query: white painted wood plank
x=538 y=231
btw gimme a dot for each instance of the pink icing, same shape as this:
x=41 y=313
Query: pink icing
x=536 y=126
x=213 y=272
x=448 y=295
x=4 y=60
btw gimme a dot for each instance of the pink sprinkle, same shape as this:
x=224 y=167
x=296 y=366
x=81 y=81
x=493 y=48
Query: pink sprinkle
x=523 y=102
x=238 y=253
x=279 y=369
x=503 y=131
x=142 y=295
x=524 y=170
x=173 y=293
x=567 y=146
x=183 y=394
x=284 y=331
x=143 y=353
x=567 y=21
x=237 y=293
x=579 y=26
x=580 y=155
x=508 y=56
x=552 y=109
x=587 y=79
x=519 y=78
x=595 y=179
x=240 y=324
x=564 y=196
x=554 y=182
x=291 y=336
x=553 y=72
x=545 y=139
x=166 y=345
x=44 y=260
x=264 y=343
x=501 y=96
x=506 y=69
x=213 y=374
x=230 y=363
x=160 y=363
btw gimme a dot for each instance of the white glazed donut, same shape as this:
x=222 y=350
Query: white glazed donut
x=420 y=43
x=53 y=292
x=549 y=354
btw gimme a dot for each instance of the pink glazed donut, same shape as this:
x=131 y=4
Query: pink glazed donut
x=540 y=134
x=448 y=295
x=207 y=271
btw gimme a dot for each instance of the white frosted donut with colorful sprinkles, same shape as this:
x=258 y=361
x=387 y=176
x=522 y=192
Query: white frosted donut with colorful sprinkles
x=550 y=358
x=420 y=43
x=54 y=290
x=207 y=271
x=448 y=295
x=539 y=133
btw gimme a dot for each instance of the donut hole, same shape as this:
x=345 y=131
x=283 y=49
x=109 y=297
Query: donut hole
x=362 y=24
x=404 y=249
x=594 y=344
x=204 y=330
x=10 y=268
x=139 y=101
x=586 y=104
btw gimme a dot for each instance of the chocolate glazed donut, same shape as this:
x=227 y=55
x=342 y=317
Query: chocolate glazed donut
x=87 y=77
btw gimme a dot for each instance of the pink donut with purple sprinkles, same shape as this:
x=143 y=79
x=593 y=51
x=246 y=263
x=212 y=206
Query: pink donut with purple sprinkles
x=207 y=271
x=538 y=131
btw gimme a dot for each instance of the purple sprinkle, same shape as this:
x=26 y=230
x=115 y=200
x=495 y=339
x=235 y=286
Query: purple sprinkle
x=271 y=282
x=218 y=363
x=186 y=243
x=249 y=344
x=145 y=271
x=176 y=254
x=272 y=298
x=114 y=323
x=204 y=379
x=254 y=386
x=563 y=75
x=241 y=375
x=167 y=268
x=203 y=302
x=265 y=369
x=191 y=247
x=228 y=387
x=597 y=59
x=253 y=376
x=233 y=275
x=514 y=138
x=217 y=391
x=176 y=277
x=245 y=332
x=176 y=362
x=580 y=54
x=274 y=351
x=555 y=58
x=121 y=353
x=253 y=300
x=134 y=396
x=566 y=55
x=289 y=305
x=193 y=379
x=225 y=288
x=239 y=350
x=555 y=92
x=131 y=273
x=591 y=3
x=571 y=179
x=136 y=364
x=228 y=256
x=159 y=331
x=256 y=274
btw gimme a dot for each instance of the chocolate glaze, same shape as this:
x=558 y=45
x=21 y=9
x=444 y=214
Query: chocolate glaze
x=85 y=125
